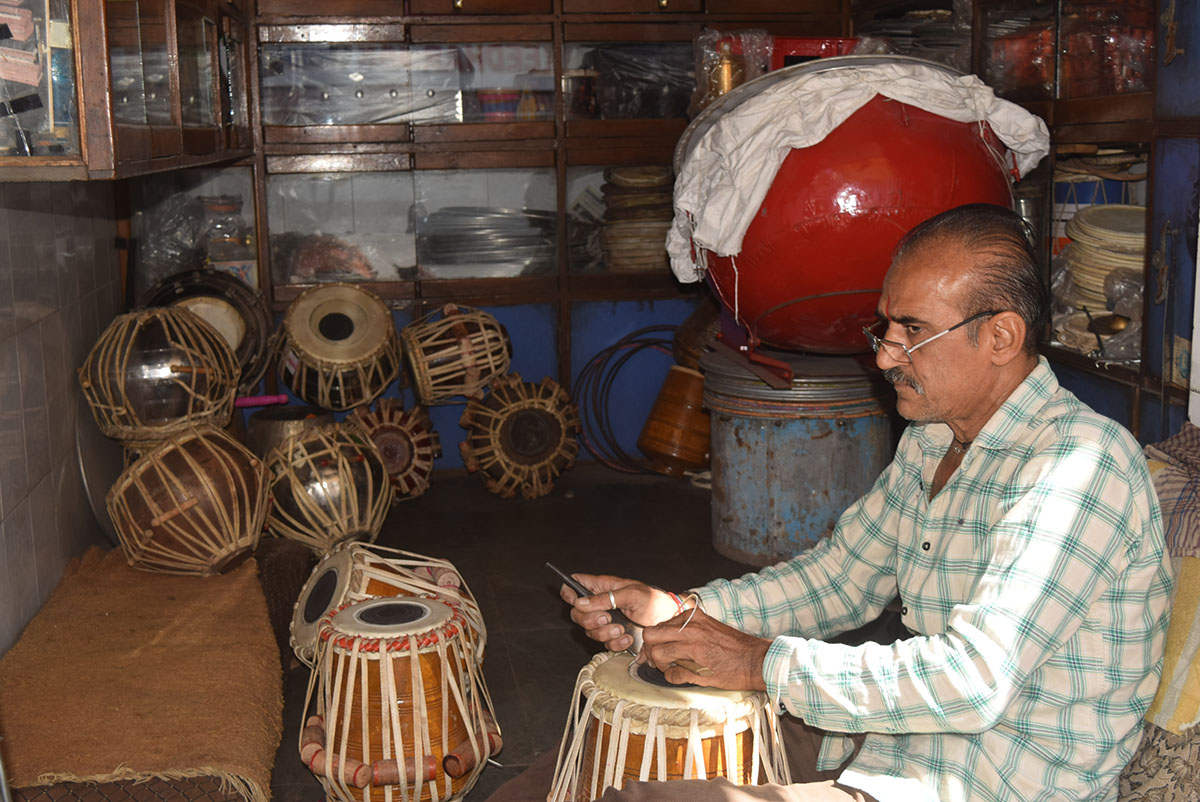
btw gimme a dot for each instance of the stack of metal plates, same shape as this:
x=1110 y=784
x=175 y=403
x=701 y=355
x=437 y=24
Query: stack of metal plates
x=1104 y=238
x=486 y=242
x=637 y=216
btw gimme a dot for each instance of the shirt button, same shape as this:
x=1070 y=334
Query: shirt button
x=961 y=521
x=925 y=546
x=904 y=610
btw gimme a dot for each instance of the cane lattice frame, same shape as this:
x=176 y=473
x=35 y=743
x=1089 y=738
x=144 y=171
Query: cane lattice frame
x=455 y=355
x=406 y=440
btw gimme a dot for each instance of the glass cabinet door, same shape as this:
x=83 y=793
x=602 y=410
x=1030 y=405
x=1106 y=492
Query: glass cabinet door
x=484 y=83
x=161 y=113
x=38 y=116
x=627 y=80
x=196 y=36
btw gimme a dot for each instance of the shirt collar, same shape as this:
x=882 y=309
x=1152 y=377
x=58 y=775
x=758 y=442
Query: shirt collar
x=1012 y=419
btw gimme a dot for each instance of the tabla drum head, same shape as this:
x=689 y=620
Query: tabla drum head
x=221 y=315
x=324 y=591
x=338 y=323
x=618 y=677
x=390 y=618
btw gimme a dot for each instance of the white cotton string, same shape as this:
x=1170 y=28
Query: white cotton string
x=733 y=766
x=755 y=735
x=614 y=742
x=661 y=738
x=736 y=282
x=622 y=750
x=594 y=790
x=648 y=746
x=569 y=746
x=694 y=762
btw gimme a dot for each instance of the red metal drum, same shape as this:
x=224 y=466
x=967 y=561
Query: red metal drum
x=812 y=262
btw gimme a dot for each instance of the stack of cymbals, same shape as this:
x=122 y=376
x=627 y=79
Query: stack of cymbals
x=1104 y=238
x=637 y=216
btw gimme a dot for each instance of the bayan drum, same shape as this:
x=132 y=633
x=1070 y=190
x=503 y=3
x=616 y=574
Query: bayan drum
x=270 y=426
x=405 y=439
x=676 y=435
x=156 y=373
x=338 y=347
x=359 y=571
x=520 y=436
x=401 y=703
x=232 y=307
x=456 y=354
x=192 y=505
x=624 y=728
x=327 y=485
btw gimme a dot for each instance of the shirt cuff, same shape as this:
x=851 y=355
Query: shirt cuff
x=775 y=672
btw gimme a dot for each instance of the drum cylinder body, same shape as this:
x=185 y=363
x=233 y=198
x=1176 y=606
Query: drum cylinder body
x=787 y=463
x=676 y=435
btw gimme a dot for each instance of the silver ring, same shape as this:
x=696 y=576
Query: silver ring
x=612 y=600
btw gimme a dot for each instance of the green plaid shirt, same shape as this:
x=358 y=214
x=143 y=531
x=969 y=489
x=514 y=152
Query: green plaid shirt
x=1038 y=587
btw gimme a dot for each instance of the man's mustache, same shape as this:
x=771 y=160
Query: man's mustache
x=898 y=376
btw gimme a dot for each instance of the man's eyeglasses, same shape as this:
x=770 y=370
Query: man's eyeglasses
x=903 y=353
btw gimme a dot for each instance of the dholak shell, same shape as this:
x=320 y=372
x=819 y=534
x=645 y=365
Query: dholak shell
x=695 y=335
x=676 y=435
x=359 y=571
x=520 y=436
x=232 y=307
x=622 y=728
x=458 y=354
x=192 y=505
x=270 y=426
x=156 y=373
x=406 y=440
x=399 y=694
x=327 y=485
x=338 y=347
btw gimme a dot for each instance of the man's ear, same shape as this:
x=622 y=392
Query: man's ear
x=1007 y=340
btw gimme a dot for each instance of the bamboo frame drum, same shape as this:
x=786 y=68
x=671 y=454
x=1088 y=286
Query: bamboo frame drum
x=156 y=373
x=327 y=485
x=338 y=347
x=456 y=354
x=624 y=728
x=520 y=436
x=402 y=709
x=406 y=440
x=192 y=505
x=234 y=308
x=676 y=436
x=359 y=571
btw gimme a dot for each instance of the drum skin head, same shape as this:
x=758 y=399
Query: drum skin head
x=618 y=677
x=390 y=618
x=324 y=591
x=339 y=323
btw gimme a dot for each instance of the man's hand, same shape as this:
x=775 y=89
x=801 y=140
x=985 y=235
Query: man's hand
x=735 y=658
x=639 y=602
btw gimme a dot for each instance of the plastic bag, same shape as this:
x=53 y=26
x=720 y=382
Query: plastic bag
x=724 y=61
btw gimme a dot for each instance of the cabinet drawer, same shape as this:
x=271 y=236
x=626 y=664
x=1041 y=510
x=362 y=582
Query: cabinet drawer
x=480 y=7
x=772 y=7
x=632 y=6
x=330 y=8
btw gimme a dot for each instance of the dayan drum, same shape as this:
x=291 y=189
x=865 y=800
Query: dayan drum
x=271 y=426
x=231 y=306
x=402 y=708
x=623 y=728
x=192 y=505
x=156 y=373
x=456 y=354
x=359 y=571
x=520 y=436
x=327 y=485
x=338 y=347
x=406 y=440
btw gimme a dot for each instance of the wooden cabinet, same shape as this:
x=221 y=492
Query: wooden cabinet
x=161 y=85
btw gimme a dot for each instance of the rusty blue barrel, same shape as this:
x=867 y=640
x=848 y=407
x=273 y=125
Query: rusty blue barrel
x=787 y=462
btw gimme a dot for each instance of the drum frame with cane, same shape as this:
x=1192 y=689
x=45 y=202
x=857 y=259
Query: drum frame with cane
x=338 y=347
x=407 y=441
x=622 y=728
x=456 y=355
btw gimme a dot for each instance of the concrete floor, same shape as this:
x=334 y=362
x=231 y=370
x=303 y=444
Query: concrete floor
x=596 y=520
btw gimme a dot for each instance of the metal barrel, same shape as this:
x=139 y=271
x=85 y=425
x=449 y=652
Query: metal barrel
x=786 y=463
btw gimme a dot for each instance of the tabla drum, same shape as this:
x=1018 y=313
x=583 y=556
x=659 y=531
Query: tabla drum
x=520 y=436
x=623 y=728
x=407 y=441
x=234 y=308
x=338 y=347
x=192 y=505
x=359 y=571
x=456 y=354
x=676 y=435
x=156 y=373
x=402 y=711
x=270 y=426
x=327 y=485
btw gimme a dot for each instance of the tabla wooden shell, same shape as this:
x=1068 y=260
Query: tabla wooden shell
x=338 y=347
x=359 y=571
x=406 y=440
x=327 y=485
x=695 y=336
x=456 y=354
x=520 y=436
x=192 y=505
x=232 y=307
x=158 y=372
x=677 y=433
x=398 y=692
x=270 y=426
x=621 y=728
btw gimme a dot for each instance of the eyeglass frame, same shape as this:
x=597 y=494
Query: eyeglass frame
x=879 y=342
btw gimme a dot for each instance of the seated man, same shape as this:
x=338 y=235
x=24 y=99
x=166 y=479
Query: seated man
x=1019 y=529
